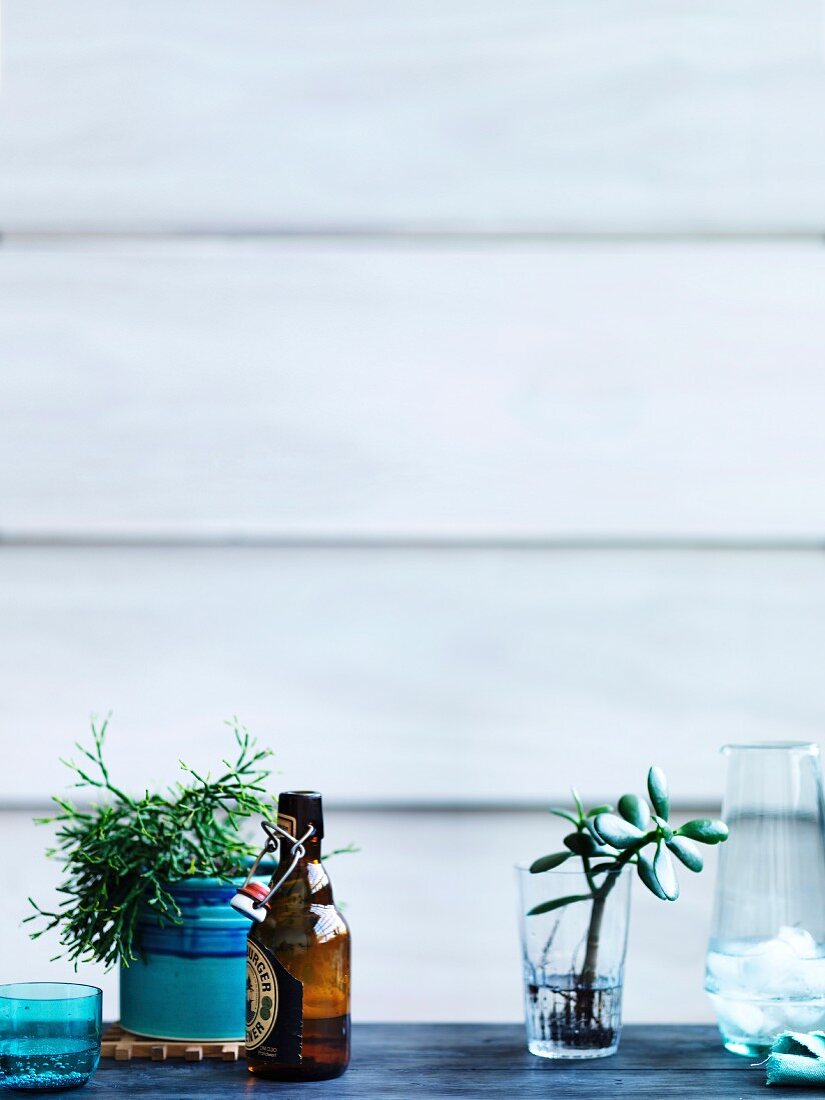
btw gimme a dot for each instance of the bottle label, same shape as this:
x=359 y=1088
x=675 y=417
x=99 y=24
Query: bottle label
x=274 y=1008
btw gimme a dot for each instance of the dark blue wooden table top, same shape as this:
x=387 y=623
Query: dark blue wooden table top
x=399 y=1061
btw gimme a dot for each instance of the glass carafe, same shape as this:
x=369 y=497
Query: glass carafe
x=766 y=958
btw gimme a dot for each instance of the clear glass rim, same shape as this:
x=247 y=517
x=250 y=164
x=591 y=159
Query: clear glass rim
x=772 y=746
x=28 y=991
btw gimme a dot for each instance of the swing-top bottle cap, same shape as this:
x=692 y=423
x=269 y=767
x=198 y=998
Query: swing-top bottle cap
x=297 y=810
x=247 y=900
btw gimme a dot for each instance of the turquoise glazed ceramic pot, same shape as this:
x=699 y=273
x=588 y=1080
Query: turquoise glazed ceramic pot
x=192 y=984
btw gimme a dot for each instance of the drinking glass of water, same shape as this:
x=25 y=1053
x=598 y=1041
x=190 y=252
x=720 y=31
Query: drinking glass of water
x=49 y=1034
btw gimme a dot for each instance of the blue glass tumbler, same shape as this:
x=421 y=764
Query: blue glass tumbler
x=49 y=1034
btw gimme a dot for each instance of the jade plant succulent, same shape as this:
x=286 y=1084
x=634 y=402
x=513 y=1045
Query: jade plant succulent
x=607 y=840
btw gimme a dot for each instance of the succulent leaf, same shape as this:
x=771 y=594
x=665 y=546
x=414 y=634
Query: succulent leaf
x=547 y=863
x=582 y=844
x=559 y=811
x=578 y=801
x=557 y=903
x=616 y=831
x=646 y=873
x=665 y=872
x=590 y=825
x=686 y=852
x=704 y=830
x=657 y=789
x=635 y=810
x=600 y=868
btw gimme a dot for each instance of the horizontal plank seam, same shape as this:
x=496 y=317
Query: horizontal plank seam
x=413 y=235
x=10 y=805
x=158 y=540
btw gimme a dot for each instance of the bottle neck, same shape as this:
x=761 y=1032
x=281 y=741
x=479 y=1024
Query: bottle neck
x=300 y=812
x=307 y=884
x=312 y=852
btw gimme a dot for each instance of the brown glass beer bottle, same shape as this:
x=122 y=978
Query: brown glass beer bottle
x=298 y=962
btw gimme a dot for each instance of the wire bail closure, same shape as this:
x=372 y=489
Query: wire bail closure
x=274 y=832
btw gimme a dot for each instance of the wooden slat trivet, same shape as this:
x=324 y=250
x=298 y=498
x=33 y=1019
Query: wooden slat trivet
x=123 y=1046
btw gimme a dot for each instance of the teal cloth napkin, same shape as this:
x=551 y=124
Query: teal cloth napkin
x=797 y=1058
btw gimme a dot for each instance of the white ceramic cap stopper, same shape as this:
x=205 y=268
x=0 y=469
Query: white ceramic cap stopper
x=246 y=905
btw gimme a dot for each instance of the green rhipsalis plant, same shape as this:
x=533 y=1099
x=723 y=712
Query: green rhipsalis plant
x=124 y=852
x=606 y=842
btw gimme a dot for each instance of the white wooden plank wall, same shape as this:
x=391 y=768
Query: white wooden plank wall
x=254 y=388
x=517 y=512
x=565 y=115
x=412 y=676
x=542 y=391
